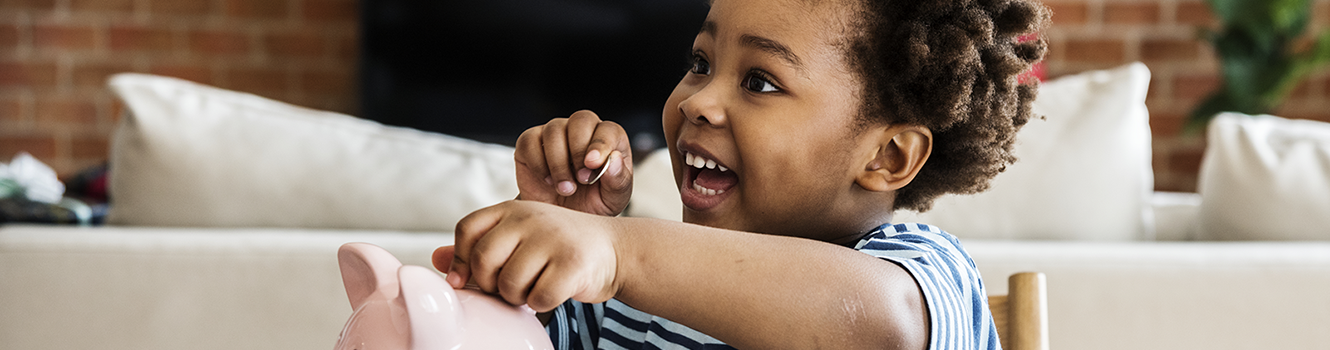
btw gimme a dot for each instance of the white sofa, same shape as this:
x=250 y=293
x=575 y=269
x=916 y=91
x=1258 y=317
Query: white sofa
x=229 y=209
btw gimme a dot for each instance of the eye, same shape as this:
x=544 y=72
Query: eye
x=759 y=82
x=700 y=66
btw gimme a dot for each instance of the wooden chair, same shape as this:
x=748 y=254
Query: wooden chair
x=1021 y=316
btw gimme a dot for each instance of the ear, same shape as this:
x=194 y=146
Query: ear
x=367 y=269
x=899 y=152
x=434 y=309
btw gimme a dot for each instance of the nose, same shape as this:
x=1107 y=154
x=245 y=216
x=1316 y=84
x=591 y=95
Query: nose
x=704 y=107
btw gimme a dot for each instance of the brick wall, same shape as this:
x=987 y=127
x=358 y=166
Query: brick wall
x=1098 y=34
x=55 y=56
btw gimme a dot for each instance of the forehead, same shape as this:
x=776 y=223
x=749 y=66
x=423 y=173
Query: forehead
x=805 y=26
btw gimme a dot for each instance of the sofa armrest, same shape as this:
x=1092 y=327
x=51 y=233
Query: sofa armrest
x=165 y=288
x=1172 y=295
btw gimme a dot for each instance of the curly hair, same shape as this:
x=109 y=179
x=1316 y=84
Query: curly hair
x=950 y=66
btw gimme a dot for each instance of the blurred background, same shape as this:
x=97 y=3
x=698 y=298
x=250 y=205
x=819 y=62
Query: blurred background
x=487 y=70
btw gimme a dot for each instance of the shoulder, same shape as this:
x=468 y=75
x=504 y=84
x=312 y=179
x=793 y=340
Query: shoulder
x=912 y=241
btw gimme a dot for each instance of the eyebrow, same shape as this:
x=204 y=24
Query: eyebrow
x=769 y=46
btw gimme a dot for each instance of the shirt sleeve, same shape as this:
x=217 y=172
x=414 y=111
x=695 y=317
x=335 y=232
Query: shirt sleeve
x=575 y=325
x=953 y=290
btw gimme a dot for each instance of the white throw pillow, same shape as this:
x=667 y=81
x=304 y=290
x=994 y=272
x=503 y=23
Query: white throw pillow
x=1265 y=178
x=1083 y=172
x=193 y=155
x=655 y=195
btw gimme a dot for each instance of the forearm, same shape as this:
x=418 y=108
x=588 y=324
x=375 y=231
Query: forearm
x=763 y=291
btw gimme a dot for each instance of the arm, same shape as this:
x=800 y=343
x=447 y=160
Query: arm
x=765 y=292
x=749 y=290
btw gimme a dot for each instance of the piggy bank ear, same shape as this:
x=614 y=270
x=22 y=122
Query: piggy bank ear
x=366 y=270
x=433 y=307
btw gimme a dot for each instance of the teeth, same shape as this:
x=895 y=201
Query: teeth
x=706 y=191
x=697 y=161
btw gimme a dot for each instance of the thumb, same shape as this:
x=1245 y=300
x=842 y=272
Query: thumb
x=443 y=258
x=617 y=185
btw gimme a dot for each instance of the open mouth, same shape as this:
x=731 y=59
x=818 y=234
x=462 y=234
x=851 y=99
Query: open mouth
x=706 y=177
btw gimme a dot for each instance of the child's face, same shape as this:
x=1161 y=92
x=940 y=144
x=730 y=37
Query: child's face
x=771 y=99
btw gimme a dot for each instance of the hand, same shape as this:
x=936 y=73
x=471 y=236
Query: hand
x=556 y=162
x=533 y=253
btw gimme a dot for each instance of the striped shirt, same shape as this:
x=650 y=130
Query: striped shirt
x=957 y=303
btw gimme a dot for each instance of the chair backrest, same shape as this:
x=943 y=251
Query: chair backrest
x=1021 y=316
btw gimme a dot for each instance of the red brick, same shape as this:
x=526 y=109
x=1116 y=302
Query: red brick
x=95 y=75
x=1186 y=160
x=264 y=81
x=348 y=48
x=8 y=36
x=257 y=8
x=219 y=42
x=195 y=73
x=296 y=44
x=64 y=36
x=66 y=110
x=102 y=6
x=1069 y=13
x=1194 y=13
x=1194 y=86
x=1166 y=124
x=1134 y=13
x=331 y=10
x=141 y=39
x=1095 y=50
x=28 y=4
x=15 y=74
x=327 y=83
x=40 y=146
x=11 y=110
x=1301 y=90
x=181 y=7
x=89 y=148
x=1170 y=50
x=117 y=109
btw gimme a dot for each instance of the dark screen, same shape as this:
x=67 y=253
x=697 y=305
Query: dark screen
x=488 y=70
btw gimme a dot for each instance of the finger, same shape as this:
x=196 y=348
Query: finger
x=533 y=174
x=608 y=137
x=466 y=234
x=490 y=256
x=581 y=128
x=519 y=274
x=552 y=289
x=616 y=187
x=442 y=258
x=554 y=142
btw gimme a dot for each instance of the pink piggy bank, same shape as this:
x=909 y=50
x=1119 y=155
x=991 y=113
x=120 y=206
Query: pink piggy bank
x=411 y=307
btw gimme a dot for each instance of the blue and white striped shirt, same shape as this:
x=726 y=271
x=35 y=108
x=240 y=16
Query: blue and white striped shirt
x=957 y=303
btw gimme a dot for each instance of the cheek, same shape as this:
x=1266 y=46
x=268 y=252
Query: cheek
x=671 y=116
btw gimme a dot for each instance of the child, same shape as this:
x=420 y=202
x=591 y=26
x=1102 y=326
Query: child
x=798 y=129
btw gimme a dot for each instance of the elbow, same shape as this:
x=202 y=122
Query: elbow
x=899 y=320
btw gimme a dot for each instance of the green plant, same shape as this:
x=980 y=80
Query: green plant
x=1263 y=55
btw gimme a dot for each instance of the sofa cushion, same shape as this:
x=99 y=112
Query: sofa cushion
x=186 y=154
x=1083 y=170
x=1265 y=178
